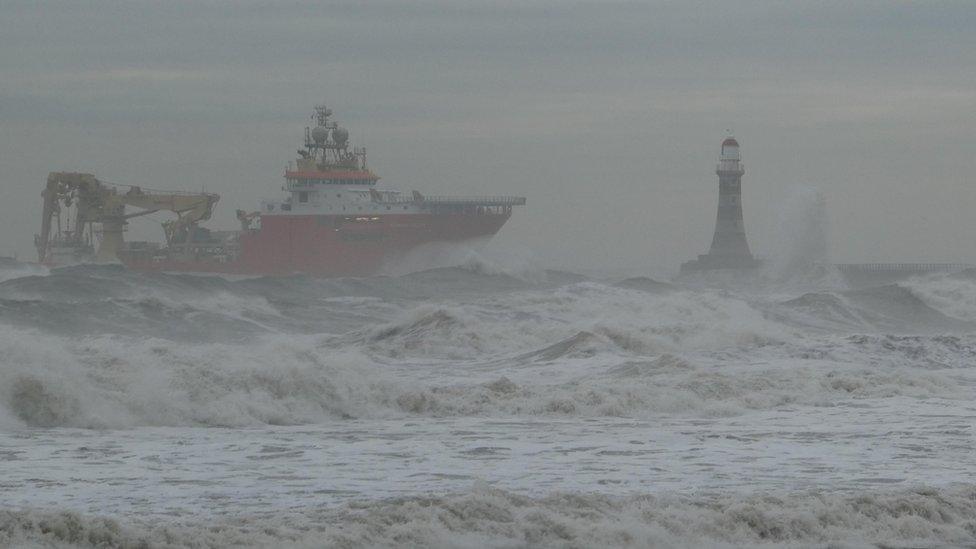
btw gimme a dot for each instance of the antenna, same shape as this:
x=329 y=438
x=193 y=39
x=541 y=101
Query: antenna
x=322 y=114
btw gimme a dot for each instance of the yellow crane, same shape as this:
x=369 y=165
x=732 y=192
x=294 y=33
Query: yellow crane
x=101 y=203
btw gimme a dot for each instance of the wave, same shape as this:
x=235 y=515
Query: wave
x=99 y=299
x=769 y=279
x=447 y=332
x=492 y=517
x=636 y=322
x=882 y=308
x=97 y=346
x=954 y=294
x=108 y=300
x=645 y=284
x=581 y=345
x=480 y=256
x=117 y=382
x=122 y=382
x=11 y=269
x=498 y=311
x=670 y=385
x=211 y=317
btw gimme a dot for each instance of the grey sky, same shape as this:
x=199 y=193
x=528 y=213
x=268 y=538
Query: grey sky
x=606 y=115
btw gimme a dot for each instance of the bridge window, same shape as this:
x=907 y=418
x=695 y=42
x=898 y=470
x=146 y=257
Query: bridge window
x=303 y=196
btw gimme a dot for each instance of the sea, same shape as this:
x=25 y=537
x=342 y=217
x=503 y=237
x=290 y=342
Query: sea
x=482 y=404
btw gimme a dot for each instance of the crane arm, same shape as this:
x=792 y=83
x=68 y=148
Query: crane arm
x=98 y=202
x=190 y=207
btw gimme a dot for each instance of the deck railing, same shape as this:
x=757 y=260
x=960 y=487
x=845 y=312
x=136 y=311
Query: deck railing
x=476 y=200
x=456 y=200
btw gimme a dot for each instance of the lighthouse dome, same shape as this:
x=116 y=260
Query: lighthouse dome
x=730 y=149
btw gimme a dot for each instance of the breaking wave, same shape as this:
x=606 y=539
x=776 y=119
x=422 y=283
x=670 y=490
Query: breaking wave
x=883 y=308
x=111 y=381
x=116 y=381
x=672 y=386
x=483 y=257
x=11 y=268
x=488 y=517
x=953 y=294
x=494 y=352
x=97 y=346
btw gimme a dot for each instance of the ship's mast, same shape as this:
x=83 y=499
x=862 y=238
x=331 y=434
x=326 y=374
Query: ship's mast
x=327 y=144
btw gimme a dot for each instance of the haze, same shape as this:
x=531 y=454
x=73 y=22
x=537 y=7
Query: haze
x=607 y=116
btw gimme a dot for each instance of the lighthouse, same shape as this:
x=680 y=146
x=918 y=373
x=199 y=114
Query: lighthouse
x=729 y=250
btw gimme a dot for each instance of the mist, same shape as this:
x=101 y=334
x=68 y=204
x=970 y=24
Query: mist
x=606 y=115
x=736 y=309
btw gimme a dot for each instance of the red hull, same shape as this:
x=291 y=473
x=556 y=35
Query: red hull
x=332 y=245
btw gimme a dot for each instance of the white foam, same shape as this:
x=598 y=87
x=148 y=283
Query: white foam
x=486 y=517
x=481 y=256
x=562 y=352
x=600 y=415
x=114 y=381
x=954 y=296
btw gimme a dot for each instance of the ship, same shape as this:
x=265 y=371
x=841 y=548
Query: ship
x=334 y=219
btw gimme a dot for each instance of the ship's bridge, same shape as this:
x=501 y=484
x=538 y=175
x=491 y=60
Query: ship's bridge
x=296 y=179
x=329 y=178
x=336 y=190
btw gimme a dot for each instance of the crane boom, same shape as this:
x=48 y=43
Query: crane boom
x=105 y=204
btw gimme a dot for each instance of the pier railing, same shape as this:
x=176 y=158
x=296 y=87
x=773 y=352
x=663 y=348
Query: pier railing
x=902 y=267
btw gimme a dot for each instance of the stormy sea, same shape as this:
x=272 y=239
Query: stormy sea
x=481 y=404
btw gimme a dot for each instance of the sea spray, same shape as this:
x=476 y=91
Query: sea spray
x=800 y=247
x=477 y=256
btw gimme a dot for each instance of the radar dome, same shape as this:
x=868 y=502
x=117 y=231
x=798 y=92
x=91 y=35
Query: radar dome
x=320 y=134
x=340 y=135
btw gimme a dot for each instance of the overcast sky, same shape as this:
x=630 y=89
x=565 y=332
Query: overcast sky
x=607 y=115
